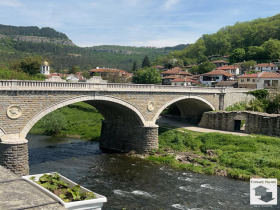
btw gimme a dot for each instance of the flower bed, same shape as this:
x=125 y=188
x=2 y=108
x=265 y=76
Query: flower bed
x=67 y=192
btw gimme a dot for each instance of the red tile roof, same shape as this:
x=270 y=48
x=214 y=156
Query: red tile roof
x=269 y=75
x=249 y=76
x=266 y=65
x=227 y=67
x=108 y=71
x=176 y=70
x=218 y=72
x=182 y=80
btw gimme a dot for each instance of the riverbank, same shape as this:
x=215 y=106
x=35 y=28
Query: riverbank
x=238 y=157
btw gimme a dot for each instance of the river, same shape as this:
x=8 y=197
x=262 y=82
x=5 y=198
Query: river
x=133 y=183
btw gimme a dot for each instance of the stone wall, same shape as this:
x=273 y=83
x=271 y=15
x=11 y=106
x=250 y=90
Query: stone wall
x=255 y=122
x=15 y=158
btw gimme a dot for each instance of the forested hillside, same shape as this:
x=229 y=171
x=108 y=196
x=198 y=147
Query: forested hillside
x=17 y=43
x=257 y=40
x=31 y=31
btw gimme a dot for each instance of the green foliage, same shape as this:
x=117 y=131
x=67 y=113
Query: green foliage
x=31 y=65
x=54 y=123
x=237 y=55
x=266 y=101
x=241 y=157
x=7 y=74
x=257 y=40
x=259 y=94
x=82 y=120
x=53 y=183
x=134 y=66
x=147 y=76
x=146 y=62
x=237 y=107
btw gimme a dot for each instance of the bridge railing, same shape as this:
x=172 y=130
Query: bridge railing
x=20 y=85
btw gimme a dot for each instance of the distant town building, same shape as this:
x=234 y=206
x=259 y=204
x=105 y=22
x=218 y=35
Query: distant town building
x=231 y=69
x=248 y=81
x=182 y=82
x=268 y=80
x=220 y=63
x=213 y=77
x=45 y=68
x=271 y=67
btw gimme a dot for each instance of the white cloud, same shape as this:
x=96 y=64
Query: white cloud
x=11 y=3
x=169 y=4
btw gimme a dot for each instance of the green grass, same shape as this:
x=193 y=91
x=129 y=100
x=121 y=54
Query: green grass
x=80 y=120
x=241 y=157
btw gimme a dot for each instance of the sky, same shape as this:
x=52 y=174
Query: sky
x=154 y=23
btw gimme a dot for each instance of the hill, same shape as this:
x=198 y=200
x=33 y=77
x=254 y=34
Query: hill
x=19 y=42
x=258 y=40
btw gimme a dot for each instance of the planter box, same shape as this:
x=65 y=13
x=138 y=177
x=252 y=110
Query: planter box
x=95 y=203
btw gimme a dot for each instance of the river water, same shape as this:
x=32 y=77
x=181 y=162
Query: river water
x=133 y=183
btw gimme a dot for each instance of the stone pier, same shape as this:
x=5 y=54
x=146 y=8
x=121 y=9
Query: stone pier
x=14 y=156
x=126 y=138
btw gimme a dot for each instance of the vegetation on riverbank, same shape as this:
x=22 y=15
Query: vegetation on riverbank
x=265 y=101
x=240 y=157
x=76 y=120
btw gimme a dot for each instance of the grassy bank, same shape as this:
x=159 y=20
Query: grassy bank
x=220 y=154
x=78 y=120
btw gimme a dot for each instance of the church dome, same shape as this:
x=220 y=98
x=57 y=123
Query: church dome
x=45 y=63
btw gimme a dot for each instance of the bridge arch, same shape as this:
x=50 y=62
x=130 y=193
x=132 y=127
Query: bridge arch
x=100 y=102
x=197 y=104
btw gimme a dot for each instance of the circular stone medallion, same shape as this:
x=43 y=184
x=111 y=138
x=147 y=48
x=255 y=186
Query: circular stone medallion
x=151 y=106
x=14 y=111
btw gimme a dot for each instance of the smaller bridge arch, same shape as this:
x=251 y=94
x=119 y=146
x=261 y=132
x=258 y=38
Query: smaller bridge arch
x=195 y=100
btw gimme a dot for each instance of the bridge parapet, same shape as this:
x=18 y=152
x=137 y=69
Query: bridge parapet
x=22 y=85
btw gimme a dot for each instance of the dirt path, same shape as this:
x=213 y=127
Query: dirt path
x=180 y=124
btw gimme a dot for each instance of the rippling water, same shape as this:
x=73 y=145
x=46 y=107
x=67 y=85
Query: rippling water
x=133 y=183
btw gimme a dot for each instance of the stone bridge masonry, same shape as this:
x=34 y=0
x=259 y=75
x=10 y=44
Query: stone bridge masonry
x=130 y=112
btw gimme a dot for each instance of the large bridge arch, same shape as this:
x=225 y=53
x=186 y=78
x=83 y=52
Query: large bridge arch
x=194 y=105
x=93 y=100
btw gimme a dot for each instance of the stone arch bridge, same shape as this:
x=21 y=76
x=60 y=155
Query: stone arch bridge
x=130 y=111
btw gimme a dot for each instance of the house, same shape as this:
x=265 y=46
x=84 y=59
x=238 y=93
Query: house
x=248 y=81
x=213 y=77
x=231 y=69
x=182 y=82
x=220 y=63
x=105 y=73
x=268 y=80
x=271 y=67
x=175 y=71
x=229 y=83
x=168 y=79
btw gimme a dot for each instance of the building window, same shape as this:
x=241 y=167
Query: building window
x=248 y=80
x=274 y=83
x=242 y=80
x=253 y=80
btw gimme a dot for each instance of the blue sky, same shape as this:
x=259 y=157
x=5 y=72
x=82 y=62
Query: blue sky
x=156 y=23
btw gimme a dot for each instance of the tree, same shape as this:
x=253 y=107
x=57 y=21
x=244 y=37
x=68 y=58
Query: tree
x=147 y=76
x=134 y=66
x=205 y=67
x=247 y=65
x=31 y=65
x=272 y=49
x=74 y=69
x=54 y=123
x=193 y=70
x=86 y=74
x=237 y=55
x=146 y=62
